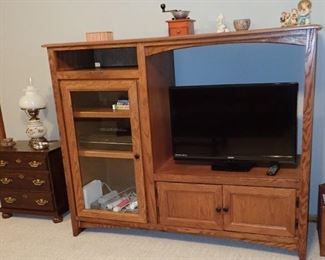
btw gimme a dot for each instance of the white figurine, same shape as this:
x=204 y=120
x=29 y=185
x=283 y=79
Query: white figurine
x=221 y=27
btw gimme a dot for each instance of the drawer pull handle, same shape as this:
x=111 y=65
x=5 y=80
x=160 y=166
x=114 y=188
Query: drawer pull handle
x=38 y=182
x=34 y=164
x=41 y=202
x=5 y=180
x=9 y=200
x=21 y=176
x=3 y=163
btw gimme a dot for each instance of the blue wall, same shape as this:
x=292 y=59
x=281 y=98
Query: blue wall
x=242 y=63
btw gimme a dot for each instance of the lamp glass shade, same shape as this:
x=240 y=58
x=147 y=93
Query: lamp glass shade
x=32 y=100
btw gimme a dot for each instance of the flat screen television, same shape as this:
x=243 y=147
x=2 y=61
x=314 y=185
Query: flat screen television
x=237 y=123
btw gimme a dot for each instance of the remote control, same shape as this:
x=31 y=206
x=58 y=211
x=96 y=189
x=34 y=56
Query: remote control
x=273 y=170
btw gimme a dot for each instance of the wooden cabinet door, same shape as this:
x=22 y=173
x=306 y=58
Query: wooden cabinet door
x=105 y=148
x=190 y=205
x=259 y=210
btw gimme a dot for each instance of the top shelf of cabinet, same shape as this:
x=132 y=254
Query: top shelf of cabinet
x=99 y=58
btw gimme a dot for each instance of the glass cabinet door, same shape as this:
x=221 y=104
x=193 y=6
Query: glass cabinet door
x=102 y=122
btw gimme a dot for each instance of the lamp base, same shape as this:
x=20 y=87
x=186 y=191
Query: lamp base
x=36 y=131
x=39 y=143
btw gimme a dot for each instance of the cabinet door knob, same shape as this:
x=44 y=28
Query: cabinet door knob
x=3 y=163
x=34 y=164
x=38 y=182
x=5 y=180
x=225 y=210
x=137 y=156
x=218 y=210
x=9 y=200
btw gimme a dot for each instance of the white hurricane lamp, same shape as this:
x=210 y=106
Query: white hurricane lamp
x=32 y=103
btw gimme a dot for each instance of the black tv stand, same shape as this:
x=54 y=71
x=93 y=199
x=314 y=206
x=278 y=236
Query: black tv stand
x=235 y=166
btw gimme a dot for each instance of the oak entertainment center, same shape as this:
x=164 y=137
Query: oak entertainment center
x=130 y=151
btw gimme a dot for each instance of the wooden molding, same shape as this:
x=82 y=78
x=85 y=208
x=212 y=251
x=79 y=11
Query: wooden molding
x=2 y=127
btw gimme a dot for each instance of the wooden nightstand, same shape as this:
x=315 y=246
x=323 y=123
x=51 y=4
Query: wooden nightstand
x=32 y=182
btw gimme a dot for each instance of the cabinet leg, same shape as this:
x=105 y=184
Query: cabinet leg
x=302 y=255
x=302 y=252
x=57 y=219
x=76 y=229
x=6 y=215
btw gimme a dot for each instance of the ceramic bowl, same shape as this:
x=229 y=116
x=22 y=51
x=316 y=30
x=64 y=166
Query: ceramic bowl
x=242 y=24
x=7 y=142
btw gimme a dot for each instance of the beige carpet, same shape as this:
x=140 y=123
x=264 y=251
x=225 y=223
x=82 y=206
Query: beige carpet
x=26 y=238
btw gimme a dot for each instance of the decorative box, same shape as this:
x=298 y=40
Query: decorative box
x=99 y=36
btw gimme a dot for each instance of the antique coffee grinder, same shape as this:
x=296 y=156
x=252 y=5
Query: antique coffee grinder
x=180 y=24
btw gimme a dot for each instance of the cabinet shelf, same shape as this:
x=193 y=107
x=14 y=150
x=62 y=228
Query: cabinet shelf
x=99 y=73
x=106 y=154
x=101 y=113
x=188 y=173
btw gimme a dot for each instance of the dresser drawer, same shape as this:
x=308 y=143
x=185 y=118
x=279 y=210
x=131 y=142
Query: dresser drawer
x=36 y=181
x=27 y=200
x=37 y=161
x=178 y=31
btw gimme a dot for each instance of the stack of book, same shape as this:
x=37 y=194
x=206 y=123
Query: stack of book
x=122 y=104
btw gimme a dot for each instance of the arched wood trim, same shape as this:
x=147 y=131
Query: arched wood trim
x=284 y=36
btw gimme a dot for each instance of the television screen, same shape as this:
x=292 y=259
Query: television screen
x=246 y=122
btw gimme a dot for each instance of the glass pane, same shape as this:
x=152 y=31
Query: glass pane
x=97 y=99
x=104 y=133
x=109 y=184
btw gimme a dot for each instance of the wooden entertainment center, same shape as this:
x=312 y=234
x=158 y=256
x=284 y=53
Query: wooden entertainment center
x=89 y=77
